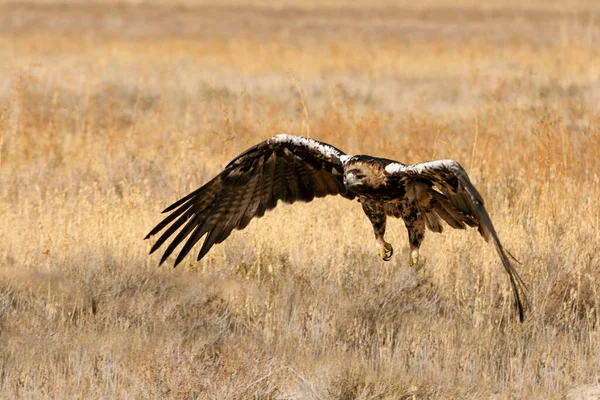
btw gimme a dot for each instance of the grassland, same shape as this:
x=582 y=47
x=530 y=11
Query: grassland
x=110 y=113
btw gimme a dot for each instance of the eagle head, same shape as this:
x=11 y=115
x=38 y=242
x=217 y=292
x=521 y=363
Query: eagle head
x=356 y=180
x=363 y=174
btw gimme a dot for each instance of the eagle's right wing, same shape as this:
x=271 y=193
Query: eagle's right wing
x=284 y=167
x=449 y=177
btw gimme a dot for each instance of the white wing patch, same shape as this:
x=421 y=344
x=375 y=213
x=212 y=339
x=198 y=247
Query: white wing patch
x=345 y=158
x=395 y=168
x=327 y=151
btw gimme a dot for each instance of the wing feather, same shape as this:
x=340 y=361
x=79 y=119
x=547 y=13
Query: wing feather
x=196 y=235
x=290 y=180
x=318 y=184
x=306 y=192
x=187 y=229
x=267 y=201
x=166 y=222
x=202 y=216
x=170 y=218
x=232 y=207
x=432 y=221
x=235 y=211
x=256 y=201
x=222 y=210
x=331 y=182
x=287 y=168
x=452 y=180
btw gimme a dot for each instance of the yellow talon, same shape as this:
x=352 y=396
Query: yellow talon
x=414 y=258
x=386 y=251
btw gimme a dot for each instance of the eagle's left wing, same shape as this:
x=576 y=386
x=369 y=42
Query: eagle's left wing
x=452 y=180
x=284 y=167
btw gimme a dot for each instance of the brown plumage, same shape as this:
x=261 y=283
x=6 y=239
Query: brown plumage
x=292 y=168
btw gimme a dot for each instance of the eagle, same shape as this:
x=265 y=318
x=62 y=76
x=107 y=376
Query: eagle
x=294 y=168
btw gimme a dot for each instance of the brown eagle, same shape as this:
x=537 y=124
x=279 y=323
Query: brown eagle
x=293 y=168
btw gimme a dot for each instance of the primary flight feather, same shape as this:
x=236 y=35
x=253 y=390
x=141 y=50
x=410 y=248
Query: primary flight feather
x=293 y=168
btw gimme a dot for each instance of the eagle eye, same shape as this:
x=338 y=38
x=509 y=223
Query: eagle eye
x=358 y=174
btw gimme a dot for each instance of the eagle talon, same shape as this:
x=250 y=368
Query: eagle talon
x=386 y=251
x=414 y=258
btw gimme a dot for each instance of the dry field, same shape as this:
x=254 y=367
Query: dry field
x=108 y=113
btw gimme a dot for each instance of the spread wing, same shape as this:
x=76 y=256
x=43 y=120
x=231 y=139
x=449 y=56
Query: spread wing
x=455 y=186
x=284 y=167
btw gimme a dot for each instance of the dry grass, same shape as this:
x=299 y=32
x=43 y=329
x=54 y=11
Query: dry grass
x=109 y=114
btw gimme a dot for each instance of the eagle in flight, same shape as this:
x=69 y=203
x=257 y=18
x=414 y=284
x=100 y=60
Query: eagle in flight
x=293 y=168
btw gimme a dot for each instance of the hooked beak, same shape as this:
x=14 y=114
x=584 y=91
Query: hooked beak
x=350 y=179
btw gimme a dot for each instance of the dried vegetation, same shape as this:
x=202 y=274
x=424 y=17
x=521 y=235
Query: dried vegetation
x=110 y=113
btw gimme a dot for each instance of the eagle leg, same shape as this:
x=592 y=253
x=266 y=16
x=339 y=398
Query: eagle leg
x=415 y=224
x=376 y=214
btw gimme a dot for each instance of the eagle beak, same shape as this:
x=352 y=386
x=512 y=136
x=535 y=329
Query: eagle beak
x=350 y=179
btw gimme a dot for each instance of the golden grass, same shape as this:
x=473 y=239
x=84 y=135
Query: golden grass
x=103 y=126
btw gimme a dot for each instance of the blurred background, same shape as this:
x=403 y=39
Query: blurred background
x=112 y=110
